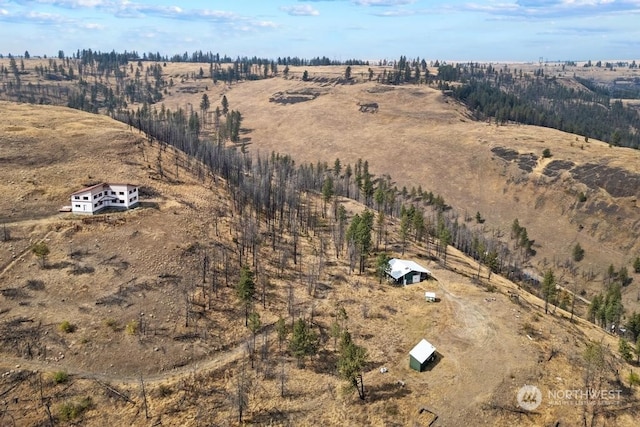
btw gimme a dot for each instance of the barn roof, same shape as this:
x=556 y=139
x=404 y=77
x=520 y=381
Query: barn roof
x=422 y=351
x=400 y=267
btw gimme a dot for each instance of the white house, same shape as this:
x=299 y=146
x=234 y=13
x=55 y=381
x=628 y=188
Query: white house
x=91 y=200
x=405 y=272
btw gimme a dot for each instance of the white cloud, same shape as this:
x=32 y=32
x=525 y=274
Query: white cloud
x=385 y=3
x=301 y=10
x=93 y=26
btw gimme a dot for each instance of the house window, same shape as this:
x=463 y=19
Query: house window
x=76 y=197
x=130 y=191
x=95 y=205
x=135 y=189
x=113 y=193
x=121 y=201
x=95 y=196
x=121 y=193
x=77 y=206
x=85 y=197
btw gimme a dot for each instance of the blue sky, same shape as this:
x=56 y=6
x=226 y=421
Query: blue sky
x=479 y=30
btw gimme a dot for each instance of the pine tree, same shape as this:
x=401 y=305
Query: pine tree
x=41 y=250
x=352 y=361
x=304 y=342
x=626 y=350
x=382 y=265
x=245 y=290
x=225 y=105
x=578 y=253
x=548 y=288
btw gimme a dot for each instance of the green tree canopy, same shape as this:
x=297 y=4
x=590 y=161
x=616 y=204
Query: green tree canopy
x=245 y=290
x=304 y=341
x=382 y=264
x=351 y=362
x=41 y=250
x=549 y=289
x=359 y=233
x=578 y=253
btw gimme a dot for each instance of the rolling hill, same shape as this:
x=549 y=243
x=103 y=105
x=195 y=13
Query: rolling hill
x=131 y=284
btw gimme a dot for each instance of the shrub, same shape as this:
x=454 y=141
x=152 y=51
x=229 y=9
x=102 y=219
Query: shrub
x=546 y=153
x=582 y=197
x=164 y=390
x=35 y=285
x=131 y=328
x=72 y=410
x=111 y=323
x=634 y=379
x=60 y=377
x=528 y=329
x=67 y=327
x=578 y=253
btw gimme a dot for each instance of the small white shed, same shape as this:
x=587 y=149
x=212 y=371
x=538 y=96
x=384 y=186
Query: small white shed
x=430 y=296
x=420 y=355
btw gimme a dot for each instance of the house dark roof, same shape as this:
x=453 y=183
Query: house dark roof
x=400 y=267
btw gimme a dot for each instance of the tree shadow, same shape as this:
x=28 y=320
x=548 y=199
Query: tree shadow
x=386 y=391
x=57 y=265
x=326 y=362
x=148 y=205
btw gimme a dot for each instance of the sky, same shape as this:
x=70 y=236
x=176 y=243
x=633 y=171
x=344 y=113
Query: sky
x=469 y=30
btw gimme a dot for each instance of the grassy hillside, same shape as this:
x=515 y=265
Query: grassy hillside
x=147 y=342
x=421 y=138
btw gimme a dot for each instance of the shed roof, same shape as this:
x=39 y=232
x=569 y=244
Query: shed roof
x=400 y=267
x=422 y=351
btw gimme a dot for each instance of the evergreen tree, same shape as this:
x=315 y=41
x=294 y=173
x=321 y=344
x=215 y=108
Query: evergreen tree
x=245 y=290
x=351 y=362
x=578 y=253
x=626 y=350
x=382 y=265
x=359 y=233
x=204 y=103
x=225 y=105
x=327 y=193
x=41 y=250
x=304 y=341
x=548 y=288
x=281 y=330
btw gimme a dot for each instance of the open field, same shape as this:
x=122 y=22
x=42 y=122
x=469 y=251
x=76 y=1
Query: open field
x=126 y=282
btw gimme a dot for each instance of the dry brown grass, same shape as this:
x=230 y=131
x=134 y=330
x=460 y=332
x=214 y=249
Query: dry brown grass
x=484 y=354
